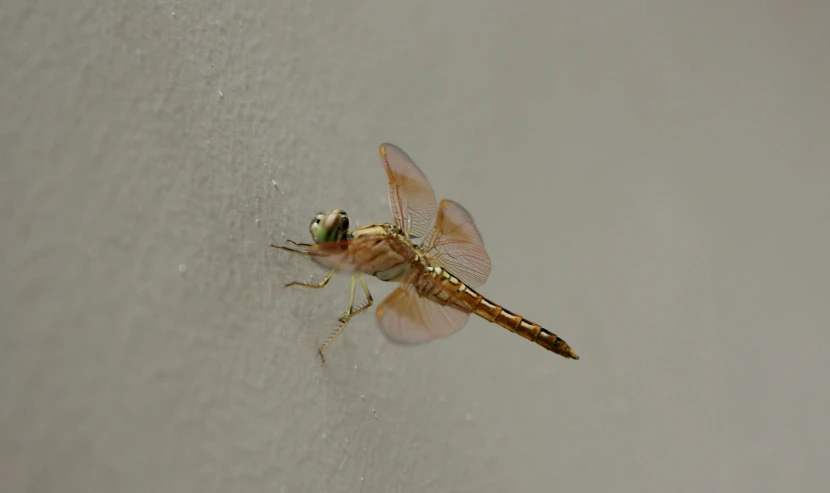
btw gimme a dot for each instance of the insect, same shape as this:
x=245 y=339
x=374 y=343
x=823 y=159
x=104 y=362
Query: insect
x=436 y=279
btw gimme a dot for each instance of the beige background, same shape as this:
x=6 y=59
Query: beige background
x=651 y=180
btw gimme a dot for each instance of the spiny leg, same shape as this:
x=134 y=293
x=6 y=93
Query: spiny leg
x=352 y=311
x=286 y=249
x=344 y=319
x=319 y=285
x=366 y=304
x=298 y=244
x=322 y=284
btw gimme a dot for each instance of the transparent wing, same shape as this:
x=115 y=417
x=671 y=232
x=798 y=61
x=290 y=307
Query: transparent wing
x=410 y=195
x=406 y=318
x=455 y=244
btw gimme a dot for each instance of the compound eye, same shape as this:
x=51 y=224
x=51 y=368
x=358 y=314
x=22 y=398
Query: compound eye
x=314 y=227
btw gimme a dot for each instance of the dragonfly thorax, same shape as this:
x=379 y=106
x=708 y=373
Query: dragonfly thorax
x=384 y=251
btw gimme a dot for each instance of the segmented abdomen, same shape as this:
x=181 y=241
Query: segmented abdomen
x=450 y=291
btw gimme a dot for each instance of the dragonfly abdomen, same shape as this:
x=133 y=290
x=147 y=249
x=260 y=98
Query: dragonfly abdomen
x=444 y=288
x=513 y=322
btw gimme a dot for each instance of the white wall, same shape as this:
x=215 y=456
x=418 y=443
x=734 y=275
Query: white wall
x=651 y=180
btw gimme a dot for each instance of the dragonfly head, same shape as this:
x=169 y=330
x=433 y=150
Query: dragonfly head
x=330 y=226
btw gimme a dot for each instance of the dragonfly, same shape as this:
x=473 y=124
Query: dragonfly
x=436 y=280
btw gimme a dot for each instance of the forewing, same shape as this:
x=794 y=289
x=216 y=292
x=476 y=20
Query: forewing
x=455 y=245
x=410 y=195
x=406 y=318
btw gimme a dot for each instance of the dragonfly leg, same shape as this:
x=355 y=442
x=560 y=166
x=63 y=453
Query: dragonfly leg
x=319 y=285
x=298 y=244
x=352 y=311
x=366 y=304
x=286 y=249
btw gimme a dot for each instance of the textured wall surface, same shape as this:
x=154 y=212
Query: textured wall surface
x=651 y=180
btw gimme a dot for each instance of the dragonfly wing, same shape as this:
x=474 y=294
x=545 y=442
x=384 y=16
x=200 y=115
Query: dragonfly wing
x=410 y=195
x=407 y=318
x=455 y=244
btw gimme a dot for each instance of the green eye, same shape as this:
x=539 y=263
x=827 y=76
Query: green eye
x=315 y=229
x=332 y=226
